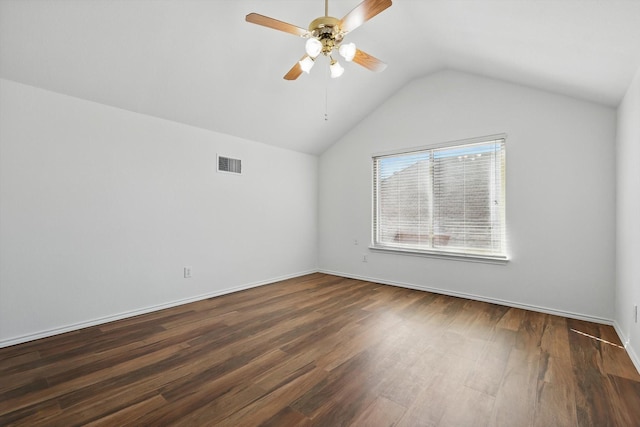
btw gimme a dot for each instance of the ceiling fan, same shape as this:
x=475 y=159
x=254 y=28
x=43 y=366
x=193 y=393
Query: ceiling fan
x=325 y=34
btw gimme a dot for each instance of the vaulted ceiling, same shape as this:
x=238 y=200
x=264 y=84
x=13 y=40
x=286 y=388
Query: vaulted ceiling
x=198 y=62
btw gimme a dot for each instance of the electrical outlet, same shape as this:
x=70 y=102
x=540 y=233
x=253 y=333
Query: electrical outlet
x=364 y=258
x=187 y=272
x=355 y=242
x=635 y=313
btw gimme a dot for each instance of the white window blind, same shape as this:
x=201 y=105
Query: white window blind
x=448 y=200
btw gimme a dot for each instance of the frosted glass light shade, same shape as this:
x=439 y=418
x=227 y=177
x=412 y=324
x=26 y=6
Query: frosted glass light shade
x=348 y=51
x=306 y=64
x=313 y=47
x=336 y=69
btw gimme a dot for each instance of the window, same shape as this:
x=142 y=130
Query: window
x=445 y=200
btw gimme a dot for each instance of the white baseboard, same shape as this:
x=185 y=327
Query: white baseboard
x=630 y=350
x=106 y=319
x=498 y=301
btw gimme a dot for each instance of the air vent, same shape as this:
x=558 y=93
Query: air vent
x=229 y=165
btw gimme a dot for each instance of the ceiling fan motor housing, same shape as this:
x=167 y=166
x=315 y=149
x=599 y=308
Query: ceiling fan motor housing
x=327 y=31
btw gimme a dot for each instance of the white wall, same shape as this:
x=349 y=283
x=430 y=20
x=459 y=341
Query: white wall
x=628 y=219
x=101 y=208
x=560 y=194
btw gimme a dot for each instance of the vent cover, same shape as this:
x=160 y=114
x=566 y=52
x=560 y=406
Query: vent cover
x=229 y=165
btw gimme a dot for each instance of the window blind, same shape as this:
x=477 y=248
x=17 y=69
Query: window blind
x=449 y=199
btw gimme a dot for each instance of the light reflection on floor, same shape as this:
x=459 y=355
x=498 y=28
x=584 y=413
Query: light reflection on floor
x=596 y=338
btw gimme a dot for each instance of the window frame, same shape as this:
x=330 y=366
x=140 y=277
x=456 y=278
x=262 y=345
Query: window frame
x=434 y=252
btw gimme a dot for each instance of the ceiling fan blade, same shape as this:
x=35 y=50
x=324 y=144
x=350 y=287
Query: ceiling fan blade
x=265 y=21
x=295 y=71
x=362 y=13
x=368 y=61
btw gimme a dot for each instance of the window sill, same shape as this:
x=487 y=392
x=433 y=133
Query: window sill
x=488 y=259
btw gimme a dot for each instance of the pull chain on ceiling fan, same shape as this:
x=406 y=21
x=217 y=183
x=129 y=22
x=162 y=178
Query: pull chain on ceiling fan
x=325 y=34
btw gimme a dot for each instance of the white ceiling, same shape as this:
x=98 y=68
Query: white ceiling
x=200 y=63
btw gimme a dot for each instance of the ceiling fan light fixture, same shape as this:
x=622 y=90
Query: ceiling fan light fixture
x=347 y=51
x=313 y=47
x=325 y=34
x=336 y=69
x=306 y=64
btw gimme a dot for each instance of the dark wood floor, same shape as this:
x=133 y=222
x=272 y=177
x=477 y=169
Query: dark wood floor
x=328 y=351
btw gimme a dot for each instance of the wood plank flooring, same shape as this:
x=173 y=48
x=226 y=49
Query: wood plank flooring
x=322 y=350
